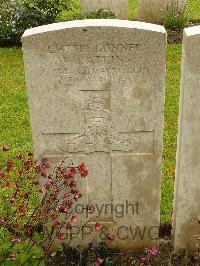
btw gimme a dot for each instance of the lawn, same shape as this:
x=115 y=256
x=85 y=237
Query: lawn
x=193 y=9
x=14 y=118
x=170 y=132
x=15 y=125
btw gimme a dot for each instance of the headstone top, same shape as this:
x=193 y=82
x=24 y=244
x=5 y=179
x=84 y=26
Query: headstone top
x=94 y=23
x=118 y=7
x=154 y=11
x=192 y=31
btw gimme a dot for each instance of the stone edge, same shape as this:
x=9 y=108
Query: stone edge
x=191 y=31
x=94 y=23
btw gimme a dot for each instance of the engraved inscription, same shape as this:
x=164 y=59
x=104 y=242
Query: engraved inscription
x=107 y=47
x=104 y=74
x=96 y=62
x=99 y=133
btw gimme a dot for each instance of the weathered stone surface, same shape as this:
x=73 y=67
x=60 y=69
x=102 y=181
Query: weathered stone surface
x=118 y=7
x=96 y=94
x=187 y=185
x=154 y=10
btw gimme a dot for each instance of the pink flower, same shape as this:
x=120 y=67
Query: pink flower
x=72 y=184
x=69 y=204
x=99 y=261
x=30 y=153
x=16 y=240
x=28 y=164
x=83 y=170
x=26 y=195
x=12 y=257
x=62 y=208
x=57 y=223
x=74 y=219
x=8 y=184
x=20 y=171
x=53 y=196
x=98 y=226
x=53 y=216
x=151 y=251
x=29 y=229
x=143 y=259
x=38 y=168
x=6 y=147
x=72 y=172
x=13 y=201
x=10 y=165
x=20 y=156
x=45 y=174
x=60 y=236
x=110 y=237
x=74 y=190
x=56 y=190
x=68 y=225
x=65 y=197
x=35 y=182
x=44 y=160
x=46 y=164
x=2 y=221
x=2 y=174
x=48 y=185
x=21 y=209
x=41 y=190
x=77 y=196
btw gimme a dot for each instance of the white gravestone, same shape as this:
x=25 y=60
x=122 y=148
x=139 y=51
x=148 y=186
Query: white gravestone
x=154 y=11
x=96 y=94
x=118 y=7
x=186 y=222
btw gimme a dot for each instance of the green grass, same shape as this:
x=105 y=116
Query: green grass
x=132 y=7
x=170 y=132
x=193 y=9
x=14 y=116
x=14 y=119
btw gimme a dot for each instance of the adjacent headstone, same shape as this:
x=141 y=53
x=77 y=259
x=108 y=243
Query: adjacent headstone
x=118 y=7
x=154 y=11
x=96 y=95
x=186 y=222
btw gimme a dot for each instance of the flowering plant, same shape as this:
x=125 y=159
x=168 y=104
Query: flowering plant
x=23 y=216
x=18 y=15
x=149 y=254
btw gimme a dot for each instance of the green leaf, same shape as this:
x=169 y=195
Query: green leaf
x=37 y=252
x=22 y=258
x=42 y=263
x=4 y=248
x=9 y=263
x=37 y=238
x=31 y=5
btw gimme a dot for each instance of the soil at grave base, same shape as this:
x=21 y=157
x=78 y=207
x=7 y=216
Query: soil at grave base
x=165 y=257
x=176 y=36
